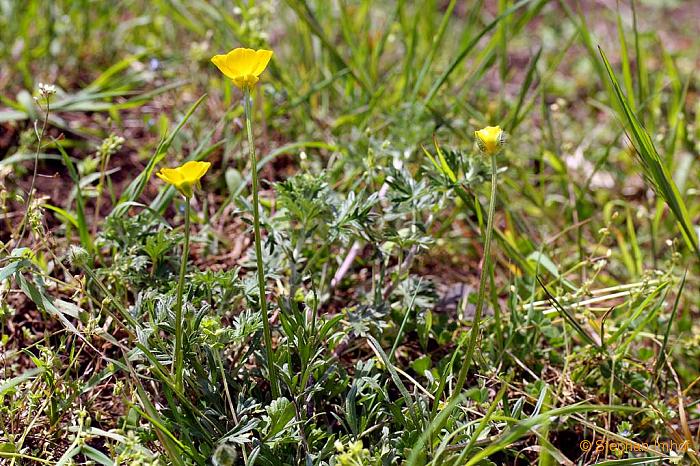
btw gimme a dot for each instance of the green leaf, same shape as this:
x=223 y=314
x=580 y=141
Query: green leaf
x=13 y=267
x=85 y=238
x=542 y=259
x=37 y=293
x=443 y=162
x=280 y=411
x=567 y=315
x=421 y=364
x=653 y=167
x=96 y=455
x=9 y=384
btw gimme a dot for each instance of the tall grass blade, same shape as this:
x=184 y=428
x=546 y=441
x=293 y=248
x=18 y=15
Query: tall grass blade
x=568 y=316
x=437 y=41
x=468 y=48
x=396 y=379
x=662 y=351
x=653 y=166
x=624 y=56
x=523 y=427
x=304 y=12
x=515 y=116
x=85 y=238
x=136 y=187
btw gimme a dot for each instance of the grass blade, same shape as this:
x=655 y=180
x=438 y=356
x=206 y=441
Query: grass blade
x=653 y=166
x=468 y=48
x=304 y=12
x=568 y=316
x=662 y=351
x=395 y=378
x=85 y=238
x=136 y=187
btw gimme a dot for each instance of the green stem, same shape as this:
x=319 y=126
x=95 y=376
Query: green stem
x=258 y=248
x=30 y=196
x=178 y=357
x=474 y=334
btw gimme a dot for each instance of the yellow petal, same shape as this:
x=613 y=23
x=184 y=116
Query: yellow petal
x=242 y=65
x=203 y=168
x=490 y=139
x=263 y=58
x=184 y=177
x=221 y=62
x=163 y=177
x=192 y=171
x=241 y=60
x=170 y=175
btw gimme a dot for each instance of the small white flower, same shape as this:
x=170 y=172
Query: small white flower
x=47 y=90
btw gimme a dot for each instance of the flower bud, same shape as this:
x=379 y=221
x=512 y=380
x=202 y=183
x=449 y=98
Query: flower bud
x=77 y=256
x=490 y=139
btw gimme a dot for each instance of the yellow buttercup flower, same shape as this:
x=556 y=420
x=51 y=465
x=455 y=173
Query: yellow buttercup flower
x=490 y=139
x=243 y=66
x=184 y=177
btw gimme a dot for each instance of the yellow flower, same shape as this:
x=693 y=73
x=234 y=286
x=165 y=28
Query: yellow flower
x=184 y=177
x=490 y=139
x=243 y=66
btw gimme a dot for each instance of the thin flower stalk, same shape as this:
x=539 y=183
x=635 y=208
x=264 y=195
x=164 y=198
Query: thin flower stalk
x=267 y=334
x=46 y=92
x=185 y=179
x=490 y=140
x=243 y=67
x=179 y=353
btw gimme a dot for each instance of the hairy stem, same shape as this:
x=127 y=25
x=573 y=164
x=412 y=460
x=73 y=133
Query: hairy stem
x=178 y=357
x=474 y=334
x=258 y=248
x=30 y=197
